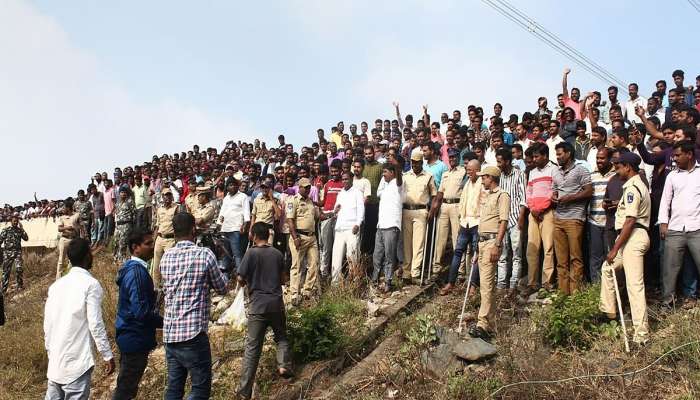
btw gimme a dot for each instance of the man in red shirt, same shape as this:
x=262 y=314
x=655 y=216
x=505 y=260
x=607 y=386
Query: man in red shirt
x=573 y=100
x=327 y=198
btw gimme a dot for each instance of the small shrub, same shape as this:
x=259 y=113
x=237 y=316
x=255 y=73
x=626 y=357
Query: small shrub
x=423 y=333
x=571 y=320
x=470 y=387
x=314 y=333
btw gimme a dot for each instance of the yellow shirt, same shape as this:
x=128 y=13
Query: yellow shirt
x=303 y=212
x=418 y=188
x=451 y=183
x=496 y=209
x=635 y=202
x=337 y=139
x=164 y=219
x=263 y=210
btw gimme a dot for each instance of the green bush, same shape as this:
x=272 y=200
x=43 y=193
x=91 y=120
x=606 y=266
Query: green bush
x=571 y=320
x=314 y=333
x=423 y=333
x=471 y=387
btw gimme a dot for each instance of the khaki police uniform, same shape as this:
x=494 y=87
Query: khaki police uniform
x=495 y=210
x=204 y=216
x=164 y=240
x=191 y=203
x=305 y=215
x=419 y=189
x=635 y=202
x=448 y=222
x=264 y=211
x=73 y=221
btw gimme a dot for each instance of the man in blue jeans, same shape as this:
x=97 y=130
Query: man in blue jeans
x=234 y=217
x=188 y=273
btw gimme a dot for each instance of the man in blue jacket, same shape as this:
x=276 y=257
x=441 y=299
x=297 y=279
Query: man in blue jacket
x=137 y=315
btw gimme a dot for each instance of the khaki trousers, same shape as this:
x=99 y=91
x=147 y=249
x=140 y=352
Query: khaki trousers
x=487 y=287
x=568 y=234
x=448 y=222
x=308 y=248
x=631 y=259
x=162 y=244
x=540 y=236
x=413 y=231
x=62 y=248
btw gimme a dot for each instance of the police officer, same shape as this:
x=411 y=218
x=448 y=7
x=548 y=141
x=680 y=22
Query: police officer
x=164 y=232
x=11 y=242
x=493 y=221
x=205 y=212
x=447 y=202
x=631 y=223
x=68 y=228
x=192 y=199
x=419 y=186
x=302 y=216
x=265 y=209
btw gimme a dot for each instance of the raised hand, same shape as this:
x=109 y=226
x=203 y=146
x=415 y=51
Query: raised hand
x=567 y=71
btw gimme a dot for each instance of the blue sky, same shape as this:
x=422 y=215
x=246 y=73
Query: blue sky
x=86 y=85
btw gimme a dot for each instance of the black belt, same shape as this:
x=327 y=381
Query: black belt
x=123 y=222
x=414 y=206
x=305 y=233
x=636 y=225
x=268 y=226
x=168 y=236
x=450 y=201
x=486 y=236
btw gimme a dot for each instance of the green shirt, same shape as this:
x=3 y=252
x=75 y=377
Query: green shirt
x=140 y=196
x=373 y=172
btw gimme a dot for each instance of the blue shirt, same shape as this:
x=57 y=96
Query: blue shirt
x=437 y=169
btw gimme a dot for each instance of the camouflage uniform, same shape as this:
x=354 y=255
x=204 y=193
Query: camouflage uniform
x=84 y=210
x=11 y=240
x=124 y=220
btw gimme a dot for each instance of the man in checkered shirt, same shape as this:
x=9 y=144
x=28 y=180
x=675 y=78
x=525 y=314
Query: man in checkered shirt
x=188 y=272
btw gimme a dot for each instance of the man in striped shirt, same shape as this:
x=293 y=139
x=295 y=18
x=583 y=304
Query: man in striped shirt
x=598 y=243
x=513 y=183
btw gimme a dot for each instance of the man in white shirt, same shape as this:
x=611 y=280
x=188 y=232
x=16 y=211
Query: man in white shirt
x=72 y=316
x=554 y=139
x=679 y=217
x=234 y=217
x=362 y=184
x=390 y=192
x=496 y=143
x=350 y=212
x=634 y=101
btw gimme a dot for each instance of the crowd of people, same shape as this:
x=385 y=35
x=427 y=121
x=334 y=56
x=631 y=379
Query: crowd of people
x=539 y=202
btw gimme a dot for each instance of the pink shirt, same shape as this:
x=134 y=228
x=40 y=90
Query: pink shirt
x=109 y=201
x=443 y=154
x=575 y=105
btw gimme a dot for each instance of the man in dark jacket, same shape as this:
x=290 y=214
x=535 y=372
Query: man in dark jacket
x=137 y=315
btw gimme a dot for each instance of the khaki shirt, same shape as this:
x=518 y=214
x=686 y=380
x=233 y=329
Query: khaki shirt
x=263 y=210
x=204 y=215
x=451 y=183
x=164 y=219
x=191 y=203
x=635 y=202
x=418 y=188
x=68 y=221
x=303 y=212
x=496 y=209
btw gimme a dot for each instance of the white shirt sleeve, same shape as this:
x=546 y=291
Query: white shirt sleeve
x=666 y=198
x=246 y=209
x=360 y=200
x=95 y=322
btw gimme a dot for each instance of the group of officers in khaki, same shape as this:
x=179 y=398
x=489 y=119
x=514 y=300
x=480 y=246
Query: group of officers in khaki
x=489 y=207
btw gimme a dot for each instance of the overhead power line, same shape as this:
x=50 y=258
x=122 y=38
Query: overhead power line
x=554 y=42
x=695 y=4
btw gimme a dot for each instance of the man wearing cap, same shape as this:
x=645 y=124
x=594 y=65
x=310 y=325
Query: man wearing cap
x=265 y=209
x=493 y=221
x=191 y=200
x=163 y=231
x=11 y=243
x=447 y=203
x=631 y=222
x=302 y=216
x=420 y=187
x=205 y=212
